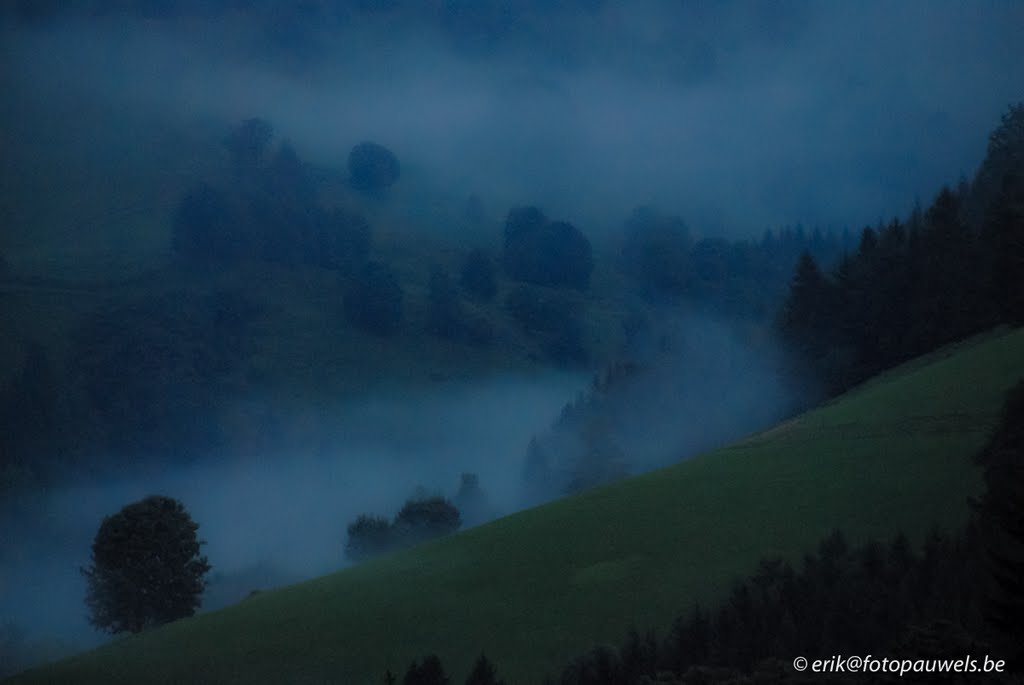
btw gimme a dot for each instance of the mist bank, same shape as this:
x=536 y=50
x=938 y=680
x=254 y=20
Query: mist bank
x=806 y=113
x=275 y=518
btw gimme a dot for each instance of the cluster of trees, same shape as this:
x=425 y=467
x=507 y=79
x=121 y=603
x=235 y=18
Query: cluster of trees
x=420 y=519
x=742 y=278
x=911 y=286
x=960 y=594
x=144 y=378
x=430 y=671
x=149 y=374
x=543 y=252
x=270 y=212
x=580 y=450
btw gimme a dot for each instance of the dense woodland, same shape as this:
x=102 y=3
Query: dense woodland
x=945 y=273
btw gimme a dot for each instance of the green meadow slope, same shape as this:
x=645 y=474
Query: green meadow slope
x=538 y=587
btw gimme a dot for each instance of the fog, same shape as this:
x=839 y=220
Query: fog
x=736 y=117
x=277 y=518
x=733 y=115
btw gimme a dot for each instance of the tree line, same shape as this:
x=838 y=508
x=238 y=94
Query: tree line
x=945 y=273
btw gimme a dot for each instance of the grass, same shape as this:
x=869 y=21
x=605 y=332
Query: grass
x=538 y=587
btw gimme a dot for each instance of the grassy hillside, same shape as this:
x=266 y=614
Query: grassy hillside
x=535 y=588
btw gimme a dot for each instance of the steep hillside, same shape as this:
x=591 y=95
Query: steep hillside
x=538 y=587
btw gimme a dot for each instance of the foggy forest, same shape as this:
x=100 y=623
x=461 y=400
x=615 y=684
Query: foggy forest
x=345 y=287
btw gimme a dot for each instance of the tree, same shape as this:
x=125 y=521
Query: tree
x=368 y=536
x=372 y=168
x=546 y=253
x=430 y=672
x=146 y=568
x=483 y=673
x=425 y=518
x=1001 y=512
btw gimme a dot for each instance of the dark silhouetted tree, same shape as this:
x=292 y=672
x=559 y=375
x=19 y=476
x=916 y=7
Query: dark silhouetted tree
x=368 y=536
x=1004 y=232
x=146 y=568
x=429 y=672
x=483 y=673
x=424 y=518
x=546 y=253
x=471 y=500
x=372 y=168
x=1001 y=514
x=373 y=299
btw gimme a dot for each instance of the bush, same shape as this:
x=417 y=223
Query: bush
x=425 y=518
x=374 y=299
x=368 y=536
x=478 y=276
x=146 y=569
x=546 y=253
x=372 y=168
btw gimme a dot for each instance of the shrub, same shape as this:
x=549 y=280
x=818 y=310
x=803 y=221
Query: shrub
x=146 y=568
x=546 y=253
x=372 y=168
x=425 y=518
x=374 y=299
x=368 y=536
x=478 y=277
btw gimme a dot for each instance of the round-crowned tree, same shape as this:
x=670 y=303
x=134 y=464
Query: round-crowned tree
x=423 y=518
x=372 y=168
x=146 y=568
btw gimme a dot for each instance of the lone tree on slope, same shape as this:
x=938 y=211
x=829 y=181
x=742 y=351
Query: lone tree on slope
x=146 y=568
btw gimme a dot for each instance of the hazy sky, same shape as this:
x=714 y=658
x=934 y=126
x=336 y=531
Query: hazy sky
x=734 y=115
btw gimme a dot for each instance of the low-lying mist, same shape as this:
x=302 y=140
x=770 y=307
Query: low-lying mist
x=276 y=518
